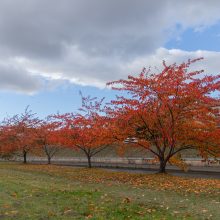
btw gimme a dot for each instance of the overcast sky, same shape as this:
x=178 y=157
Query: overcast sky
x=51 y=49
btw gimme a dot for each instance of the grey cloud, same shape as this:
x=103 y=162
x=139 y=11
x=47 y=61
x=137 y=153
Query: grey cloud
x=18 y=80
x=38 y=28
x=91 y=42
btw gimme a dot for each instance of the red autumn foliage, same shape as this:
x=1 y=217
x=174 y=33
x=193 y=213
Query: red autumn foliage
x=18 y=134
x=6 y=145
x=86 y=131
x=48 y=137
x=168 y=112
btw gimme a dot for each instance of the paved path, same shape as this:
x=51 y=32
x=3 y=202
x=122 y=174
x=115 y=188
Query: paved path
x=196 y=172
x=211 y=172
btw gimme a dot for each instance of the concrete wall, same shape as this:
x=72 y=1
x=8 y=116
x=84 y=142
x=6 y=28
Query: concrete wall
x=135 y=161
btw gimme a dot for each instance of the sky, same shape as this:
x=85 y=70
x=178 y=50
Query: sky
x=51 y=49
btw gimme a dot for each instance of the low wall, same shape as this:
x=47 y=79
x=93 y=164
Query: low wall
x=135 y=161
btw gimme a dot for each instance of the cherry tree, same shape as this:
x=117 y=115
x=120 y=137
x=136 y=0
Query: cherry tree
x=168 y=112
x=19 y=135
x=87 y=130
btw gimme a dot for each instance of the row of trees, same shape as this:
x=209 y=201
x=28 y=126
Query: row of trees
x=164 y=113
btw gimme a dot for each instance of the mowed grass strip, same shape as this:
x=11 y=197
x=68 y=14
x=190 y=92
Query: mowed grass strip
x=56 y=192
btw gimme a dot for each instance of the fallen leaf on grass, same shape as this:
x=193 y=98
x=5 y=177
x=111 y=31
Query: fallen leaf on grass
x=89 y=216
x=67 y=211
x=126 y=200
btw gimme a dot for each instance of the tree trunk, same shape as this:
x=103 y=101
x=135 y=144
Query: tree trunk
x=89 y=161
x=24 y=157
x=163 y=164
x=48 y=160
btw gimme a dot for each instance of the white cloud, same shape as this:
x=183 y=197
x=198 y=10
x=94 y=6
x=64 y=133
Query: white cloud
x=210 y=63
x=97 y=71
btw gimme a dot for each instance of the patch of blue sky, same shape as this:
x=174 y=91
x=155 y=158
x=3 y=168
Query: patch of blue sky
x=62 y=100
x=207 y=38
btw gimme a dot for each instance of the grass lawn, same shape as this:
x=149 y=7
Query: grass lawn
x=52 y=192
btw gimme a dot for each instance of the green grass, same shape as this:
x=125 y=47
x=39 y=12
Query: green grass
x=52 y=192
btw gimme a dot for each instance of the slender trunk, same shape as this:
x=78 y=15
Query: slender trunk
x=24 y=156
x=89 y=161
x=46 y=150
x=48 y=159
x=163 y=164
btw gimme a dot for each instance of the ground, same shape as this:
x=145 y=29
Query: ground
x=56 y=192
